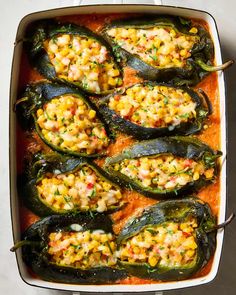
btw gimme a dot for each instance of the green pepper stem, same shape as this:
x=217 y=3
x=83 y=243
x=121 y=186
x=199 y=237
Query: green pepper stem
x=21 y=244
x=230 y=218
x=209 y=68
x=222 y=225
x=207 y=101
x=23 y=99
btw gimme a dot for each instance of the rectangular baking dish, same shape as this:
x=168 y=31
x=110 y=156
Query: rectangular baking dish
x=133 y=8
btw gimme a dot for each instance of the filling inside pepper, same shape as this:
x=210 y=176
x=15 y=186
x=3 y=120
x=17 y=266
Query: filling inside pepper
x=168 y=245
x=83 y=60
x=154 y=106
x=161 y=47
x=67 y=122
x=82 y=249
x=164 y=172
x=84 y=190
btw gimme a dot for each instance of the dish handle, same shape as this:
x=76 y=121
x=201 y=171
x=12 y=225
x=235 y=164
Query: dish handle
x=93 y=2
x=155 y=2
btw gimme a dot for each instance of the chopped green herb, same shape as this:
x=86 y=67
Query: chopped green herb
x=154 y=57
x=152 y=231
x=170 y=231
x=82 y=170
x=165 y=100
x=54 y=39
x=150 y=87
x=77 y=247
x=91 y=214
x=184 y=116
x=119 y=80
x=85 y=85
x=67 y=198
x=93 y=193
x=47 y=115
x=56 y=193
x=109 y=246
x=116 y=47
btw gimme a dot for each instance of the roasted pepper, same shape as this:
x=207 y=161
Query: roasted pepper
x=56 y=184
x=150 y=110
x=171 y=240
x=74 y=249
x=164 y=167
x=74 y=55
x=163 y=48
x=65 y=119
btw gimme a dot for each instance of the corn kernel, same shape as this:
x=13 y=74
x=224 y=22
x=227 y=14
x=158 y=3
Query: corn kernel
x=190 y=243
x=114 y=72
x=39 y=112
x=112 y=81
x=183 y=52
x=190 y=253
x=209 y=173
x=196 y=176
x=92 y=114
x=193 y=30
x=173 y=33
x=152 y=261
x=64 y=51
x=136 y=250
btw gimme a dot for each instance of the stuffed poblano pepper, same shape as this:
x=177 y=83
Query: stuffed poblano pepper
x=58 y=184
x=74 y=55
x=65 y=119
x=163 y=48
x=165 y=167
x=76 y=249
x=171 y=240
x=149 y=110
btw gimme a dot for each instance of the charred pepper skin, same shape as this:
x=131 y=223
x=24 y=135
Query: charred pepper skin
x=176 y=210
x=34 y=250
x=179 y=146
x=198 y=65
x=47 y=29
x=36 y=96
x=140 y=132
x=54 y=164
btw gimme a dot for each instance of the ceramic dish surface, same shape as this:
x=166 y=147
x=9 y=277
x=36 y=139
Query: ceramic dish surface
x=109 y=9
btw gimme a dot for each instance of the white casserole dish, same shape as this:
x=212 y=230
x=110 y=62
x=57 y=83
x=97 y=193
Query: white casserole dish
x=152 y=9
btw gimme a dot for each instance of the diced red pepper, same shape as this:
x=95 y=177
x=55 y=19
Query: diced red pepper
x=73 y=110
x=186 y=234
x=52 y=244
x=103 y=130
x=116 y=97
x=173 y=178
x=90 y=185
x=187 y=163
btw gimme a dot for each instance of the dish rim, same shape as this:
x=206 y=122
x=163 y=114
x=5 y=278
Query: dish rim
x=223 y=142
